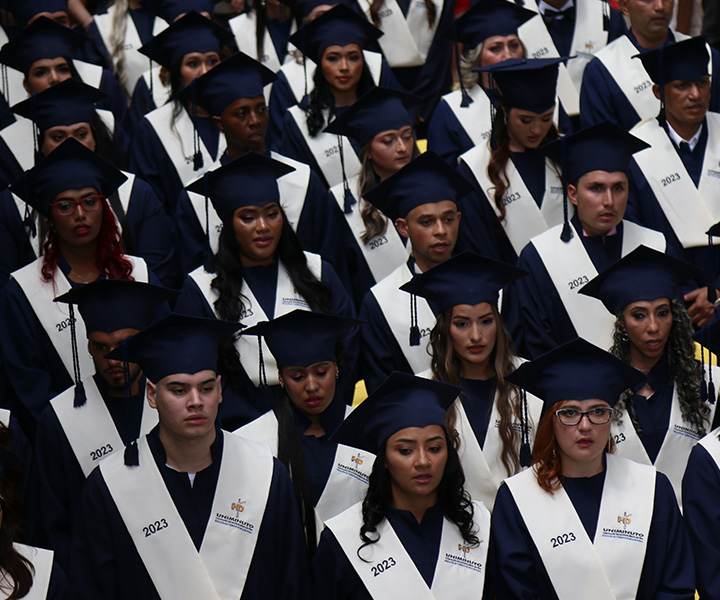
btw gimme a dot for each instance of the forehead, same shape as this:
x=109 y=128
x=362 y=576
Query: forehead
x=187 y=378
x=582 y=404
x=605 y=177
x=246 y=103
x=432 y=209
x=417 y=434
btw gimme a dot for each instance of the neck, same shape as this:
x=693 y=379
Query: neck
x=278 y=12
x=197 y=111
x=650 y=43
x=482 y=371
x=235 y=152
x=640 y=361
x=134 y=5
x=421 y=264
x=315 y=429
x=515 y=147
x=417 y=505
x=685 y=130
x=556 y=4
x=344 y=98
x=82 y=261
x=187 y=455
x=571 y=468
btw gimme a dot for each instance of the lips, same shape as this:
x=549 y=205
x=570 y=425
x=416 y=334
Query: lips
x=314 y=401
x=196 y=419
x=440 y=248
x=476 y=349
x=585 y=442
x=81 y=230
x=423 y=478
x=263 y=242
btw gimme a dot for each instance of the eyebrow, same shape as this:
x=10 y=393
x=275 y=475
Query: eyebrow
x=407 y=441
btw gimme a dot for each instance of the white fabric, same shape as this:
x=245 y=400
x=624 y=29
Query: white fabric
x=42 y=562
x=159 y=91
x=475 y=119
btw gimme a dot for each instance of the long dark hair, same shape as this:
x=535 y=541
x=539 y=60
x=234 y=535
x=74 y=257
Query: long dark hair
x=452 y=497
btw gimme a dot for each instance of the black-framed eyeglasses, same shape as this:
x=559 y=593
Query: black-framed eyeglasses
x=66 y=207
x=573 y=416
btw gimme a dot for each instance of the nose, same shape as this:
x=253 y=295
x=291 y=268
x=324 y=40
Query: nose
x=311 y=384
x=204 y=68
x=505 y=54
x=658 y=5
x=608 y=198
x=262 y=224
x=652 y=324
x=253 y=118
x=80 y=213
x=422 y=458
x=344 y=66
x=585 y=423
x=694 y=91
x=53 y=77
x=475 y=333
x=194 y=398
x=440 y=228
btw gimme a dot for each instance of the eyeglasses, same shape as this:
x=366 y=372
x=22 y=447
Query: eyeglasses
x=67 y=207
x=573 y=416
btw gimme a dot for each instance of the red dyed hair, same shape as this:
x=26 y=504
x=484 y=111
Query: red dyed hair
x=110 y=254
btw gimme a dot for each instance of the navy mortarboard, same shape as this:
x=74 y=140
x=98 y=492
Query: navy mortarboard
x=25 y=10
x=687 y=60
x=486 y=18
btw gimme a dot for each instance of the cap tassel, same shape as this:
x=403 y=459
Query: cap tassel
x=661 y=67
x=525 y=452
x=131 y=456
x=198 y=161
x=349 y=199
x=151 y=100
x=703 y=383
x=79 y=397
x=567 y=232
x=466 y=99
x=414 y=329
x=711 y=291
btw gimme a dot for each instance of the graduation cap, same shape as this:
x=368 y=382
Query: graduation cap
x=466 y=278
x=401 y=401
x=70 y=166
x=63 y=104
x=43 y=38
x=240 y=76
x=486 y=18
x=427 y=178
x=526 y=83
x=176 y=344
x=249 y=180
x=577 y=370
x=169 y=10
x=25 y=10
x=302 y=338
x=644 y=274
x=303 y=8
x=686 y=60
x=601 y=147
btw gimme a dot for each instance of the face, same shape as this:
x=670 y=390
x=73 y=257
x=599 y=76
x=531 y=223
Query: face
x=415 y=459
x=101 y=343
x=600 y=198
x=82 y=227
x=473 y=331
x=498 y=48
x=45 y=73
x=55 y=136
x=342 y=67
x=187 y=404
x=528 y=129
x=648 y=324
x=257 y=233
x=310 y=389
x=687 y=102
x=196 y=64
x=648 y=18
x=584 y=443
x=59 y=16
x=244 y=123
x=432 y=229
x=391 y=150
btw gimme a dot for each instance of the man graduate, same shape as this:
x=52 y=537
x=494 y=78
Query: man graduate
x=189 y=511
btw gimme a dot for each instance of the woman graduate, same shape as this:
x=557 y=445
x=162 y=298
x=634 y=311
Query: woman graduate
x=416 y=534
x=472 y=348
x=327 y=477
x=81 y=243
x=462 y=119
x=177 y=142
x=583 y=523
x=334 y=42
x=661 y=422
x=260 y=269
x=520 y=190
x=379 y=123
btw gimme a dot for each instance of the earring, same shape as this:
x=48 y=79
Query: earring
x=282 y=385
x=337 y=373
x=624 y=336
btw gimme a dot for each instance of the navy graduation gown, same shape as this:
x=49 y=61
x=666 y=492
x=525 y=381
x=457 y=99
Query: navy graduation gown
x=667 y=572
x=105 y=564
x=446 y=136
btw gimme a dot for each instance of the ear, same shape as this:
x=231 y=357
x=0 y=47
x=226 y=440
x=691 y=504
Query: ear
x=402 y=227
x=217 y=121
x=219 y=382
x=572 y=193
x=656 y=90
x=152 y=394
x=622 y=5
x=25 y=85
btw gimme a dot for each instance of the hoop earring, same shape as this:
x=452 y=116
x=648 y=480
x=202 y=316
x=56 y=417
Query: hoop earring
x=624 y=336
x=337 y=373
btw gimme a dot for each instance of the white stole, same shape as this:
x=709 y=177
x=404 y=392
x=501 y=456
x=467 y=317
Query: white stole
x=175 y=566
x=475 y=119
x=581 y=569
x=711 y=443
x=55 y=316
x=569 y=266
x=90 y=429
x=395 y=306
x=160 y=92
x=287 y=299
x=688 y=209
x=42 y=562
x=244 y=29
x=90 y=74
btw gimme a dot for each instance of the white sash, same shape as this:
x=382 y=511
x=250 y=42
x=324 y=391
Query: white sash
x=243 y=28
x=177 y=569
x=15 y=91
x=475 y=119
x=20 y=140
x=90 y=74
x=263 y=430
x=287 y=299
x=688 y=209
x=610 y=567
x=135 y=64
x=55 y=316
x=523 y=218
x=42 y=562
x=160 y=92
x=5 y=415
x=679 y=440
x=569 y=266
x=711 y=443
x=395 y=306
x=325 y=149
x=90 y=429
x=387 y=571
x=385 y=252
x=406 y=40
x=177 y=141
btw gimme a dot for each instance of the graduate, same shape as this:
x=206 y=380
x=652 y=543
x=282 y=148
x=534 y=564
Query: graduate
x=421 y=199
x=380 y=124
x=519 y=191
x=417 y=533
x=93 y=419
x=659 y=423
x=615 y=86
x=178 y=141
x=674 y=183
x=259 y=272
x=488 y=32
x=327 y=477
x=68 y=110
x=583 y=523
x=545 y=309
x=188 y=511
x=233 y=94
x=471 y=348
x=81 y=244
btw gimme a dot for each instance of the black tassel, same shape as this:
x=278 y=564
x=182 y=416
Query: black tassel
x=703 y=391
x=349 y=201
x=132 y=459
x=198 y=161
x=414 y=335
x=525 y=455
x=80 y=397
x=466 y=99
x=567 y=232
x=711 y=393
x=414 y=329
